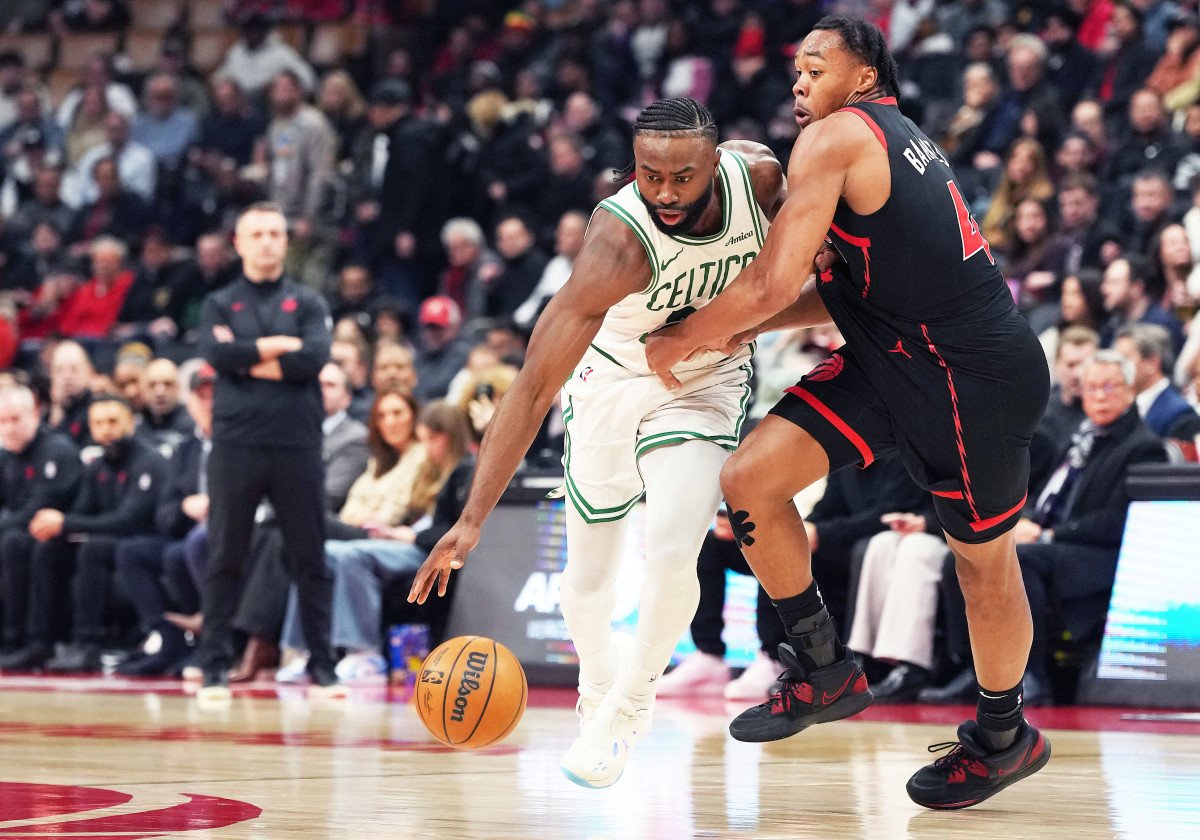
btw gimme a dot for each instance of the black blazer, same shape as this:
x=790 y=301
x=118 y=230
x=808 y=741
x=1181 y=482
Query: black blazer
x=183 y=480
x=1097 y=515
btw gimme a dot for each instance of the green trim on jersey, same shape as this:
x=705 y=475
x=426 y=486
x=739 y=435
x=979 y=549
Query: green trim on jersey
x=632 y=223
x=605 y=355
x=726 y=212
x=591 y=515
x=729 y=442
x=754 y=208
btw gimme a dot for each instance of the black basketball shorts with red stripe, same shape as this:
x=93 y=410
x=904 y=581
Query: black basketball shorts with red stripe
x=963 y=437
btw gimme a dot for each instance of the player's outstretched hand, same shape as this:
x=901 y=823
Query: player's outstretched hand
x=449 y=553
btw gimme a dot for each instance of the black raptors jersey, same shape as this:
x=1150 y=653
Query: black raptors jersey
x=930 y=321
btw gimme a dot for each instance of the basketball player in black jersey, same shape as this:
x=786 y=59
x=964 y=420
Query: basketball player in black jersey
x=937 y=364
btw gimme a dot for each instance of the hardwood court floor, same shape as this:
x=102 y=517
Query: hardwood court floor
x=104 y=759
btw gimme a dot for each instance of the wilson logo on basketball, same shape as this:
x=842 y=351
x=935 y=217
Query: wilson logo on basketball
x=828 y=369
x=476 y=664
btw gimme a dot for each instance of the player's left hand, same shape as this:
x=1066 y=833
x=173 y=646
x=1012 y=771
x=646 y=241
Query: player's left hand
x=664 y=350
x=449 y=553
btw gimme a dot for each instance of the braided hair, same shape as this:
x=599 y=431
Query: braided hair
x=679 y=117
x=865 y=41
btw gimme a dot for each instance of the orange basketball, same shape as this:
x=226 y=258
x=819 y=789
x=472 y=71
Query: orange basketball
x=471 y=692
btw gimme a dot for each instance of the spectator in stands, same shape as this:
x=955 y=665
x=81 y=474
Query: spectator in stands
x=440 y=352
x=116 y=211
x=1070 y=66
x=191 y=90
x=230 y=131
x=1083 y=240
x=1128 y=66
x=345 y=109
x=604 y=144
x=753 y=87
x=164 y=422
x=130 y=366
x=148 y=307
x=1027 y=91
x=1071 y=533
x=383 y=495
x=214 y=268
x=398 y=161
x=344 y=439
x=70 y=398
x=570 y=184
x=99 y=80
x=471 y=265
x=1150 y=142
x=1159 y=403
x=90 y=16
x=135 y=165
x=1064 y=410
x=13 y=78
x=1075 y=155
x=166 y=127
x=45 y=205
x=91 y=311
x=39 y=468
x=1187 y=368
x=896 y=604
x=1030 y=264
x=30 y=116
x=1174 y=77
x=1131 y=293
x=117 y=499
x=568 y=242
x=524 y=263
x=383 y=553
x=1025 y=176
x=354 y=360
x=1150 y=210
x=355 y=296
x=46 y=258
x=1172 y=255
x=149 y=566
x=963 y=138
x=393 y=368
x=85 y=131
x=260 y=56
x=301 y=149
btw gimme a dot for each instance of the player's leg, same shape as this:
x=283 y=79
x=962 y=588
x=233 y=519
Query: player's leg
x=587 y=596
x=682 y=495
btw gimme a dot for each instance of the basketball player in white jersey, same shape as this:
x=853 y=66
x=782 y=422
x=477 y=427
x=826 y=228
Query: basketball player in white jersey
x=662 y=247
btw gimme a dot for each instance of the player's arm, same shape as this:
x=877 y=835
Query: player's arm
x=766 y=174
x=821 y=161
x=611 y=266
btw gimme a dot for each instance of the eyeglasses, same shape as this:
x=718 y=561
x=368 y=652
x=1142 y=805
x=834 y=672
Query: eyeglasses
x=1105 y=388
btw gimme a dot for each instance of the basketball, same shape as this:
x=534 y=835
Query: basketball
x=471 y=692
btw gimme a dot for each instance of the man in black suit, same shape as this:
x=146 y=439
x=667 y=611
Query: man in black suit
x=39 y=468
x=1069 y=539
x=143 y=561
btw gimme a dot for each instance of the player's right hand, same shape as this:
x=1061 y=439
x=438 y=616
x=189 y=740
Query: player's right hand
x=449 y=553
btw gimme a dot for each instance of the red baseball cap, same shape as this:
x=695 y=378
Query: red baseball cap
x=440 y=311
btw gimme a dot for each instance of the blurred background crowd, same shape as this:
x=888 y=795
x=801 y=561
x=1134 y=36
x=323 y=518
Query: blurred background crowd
x=438 y=160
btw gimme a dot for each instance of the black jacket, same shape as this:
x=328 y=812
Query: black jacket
x=451 y=500
x=120 y=490
x=183 y=480
x=855 y=499
x=1097 y=513
x=248 y=411
x=74 y=422
x=46 y=474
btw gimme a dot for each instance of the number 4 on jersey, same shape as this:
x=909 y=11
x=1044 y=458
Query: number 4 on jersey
x=972 y=239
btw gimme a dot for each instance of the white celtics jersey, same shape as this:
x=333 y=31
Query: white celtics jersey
x=688 y=271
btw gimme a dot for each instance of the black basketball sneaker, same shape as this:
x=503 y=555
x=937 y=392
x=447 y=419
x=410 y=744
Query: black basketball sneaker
x=826 y=694
x=969 y=774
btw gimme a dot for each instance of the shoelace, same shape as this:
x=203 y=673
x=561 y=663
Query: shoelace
x=781 y=700
x=952 y=757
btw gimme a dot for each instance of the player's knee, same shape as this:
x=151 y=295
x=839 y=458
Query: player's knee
x=737 y=479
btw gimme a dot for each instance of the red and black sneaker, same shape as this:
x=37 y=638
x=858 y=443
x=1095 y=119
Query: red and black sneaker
x=969 y=774
x=831 y=693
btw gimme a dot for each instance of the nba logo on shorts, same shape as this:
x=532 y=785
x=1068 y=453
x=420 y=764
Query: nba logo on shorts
x=586 y=372
x=828 y=369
